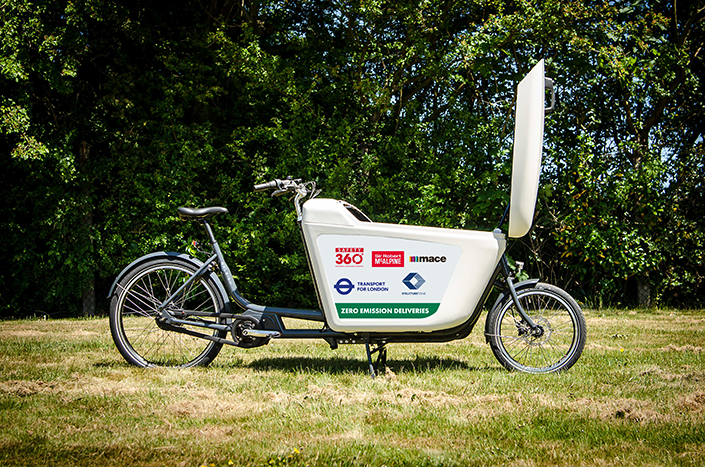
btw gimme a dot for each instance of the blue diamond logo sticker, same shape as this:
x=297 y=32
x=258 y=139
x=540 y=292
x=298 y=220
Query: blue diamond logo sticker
x=414 y=281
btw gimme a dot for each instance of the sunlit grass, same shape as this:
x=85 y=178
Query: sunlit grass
x=636 y=397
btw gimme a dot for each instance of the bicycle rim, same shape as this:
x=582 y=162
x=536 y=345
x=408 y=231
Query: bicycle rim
x=555 y=349
x=142 y=339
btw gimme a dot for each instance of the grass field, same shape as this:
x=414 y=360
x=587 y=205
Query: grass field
x=636 y=397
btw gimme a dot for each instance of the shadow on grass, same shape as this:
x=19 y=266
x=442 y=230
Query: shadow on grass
x=338 y=365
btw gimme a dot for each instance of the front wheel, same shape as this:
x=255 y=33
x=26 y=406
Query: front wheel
x=555 y=345
x=134 y=314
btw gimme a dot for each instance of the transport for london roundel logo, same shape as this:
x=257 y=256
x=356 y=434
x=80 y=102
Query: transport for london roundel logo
x=344 y=286
x=413 y=281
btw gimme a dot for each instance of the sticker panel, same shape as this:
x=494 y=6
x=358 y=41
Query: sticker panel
x=386 y=278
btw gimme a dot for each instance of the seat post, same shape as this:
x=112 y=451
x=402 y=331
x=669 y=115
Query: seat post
x=216 y=249
x=230 y=285
x=209 y=232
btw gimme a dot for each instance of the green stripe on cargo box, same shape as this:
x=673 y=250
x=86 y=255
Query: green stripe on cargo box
x=386 y=310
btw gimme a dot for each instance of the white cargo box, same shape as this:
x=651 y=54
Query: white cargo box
x=374 y=277
x=387 y=277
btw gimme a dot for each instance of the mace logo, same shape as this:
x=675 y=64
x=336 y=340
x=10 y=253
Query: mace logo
x=427 y=259
x=413 y=281
x=344 y=286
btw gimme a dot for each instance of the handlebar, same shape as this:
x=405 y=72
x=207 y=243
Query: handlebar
x=282 y=186
x=266 y=186
x=300 y=189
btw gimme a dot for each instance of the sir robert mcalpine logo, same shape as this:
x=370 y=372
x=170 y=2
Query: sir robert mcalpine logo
x=387 y=259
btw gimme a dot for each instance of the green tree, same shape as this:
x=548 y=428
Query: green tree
x=632 y=122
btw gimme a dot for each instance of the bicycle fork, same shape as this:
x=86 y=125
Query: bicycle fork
x=535 y=329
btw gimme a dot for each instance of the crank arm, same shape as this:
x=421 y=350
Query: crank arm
x=265 y=333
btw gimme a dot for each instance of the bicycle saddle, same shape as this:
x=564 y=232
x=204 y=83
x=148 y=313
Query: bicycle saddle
x=186 y=214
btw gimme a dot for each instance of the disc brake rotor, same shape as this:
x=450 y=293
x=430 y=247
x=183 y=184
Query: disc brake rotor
x=535 y=337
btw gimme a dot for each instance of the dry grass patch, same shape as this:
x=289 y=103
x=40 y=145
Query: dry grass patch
x=694 y=402
x=682 y=348
x=204 y=404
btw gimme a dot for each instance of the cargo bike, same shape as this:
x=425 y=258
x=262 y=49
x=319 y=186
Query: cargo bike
x=376 y=283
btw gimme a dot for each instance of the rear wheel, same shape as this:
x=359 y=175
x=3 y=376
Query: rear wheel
x=555 y=345
x=133 y=315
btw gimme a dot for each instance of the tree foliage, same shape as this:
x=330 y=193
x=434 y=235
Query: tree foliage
x=115 y=113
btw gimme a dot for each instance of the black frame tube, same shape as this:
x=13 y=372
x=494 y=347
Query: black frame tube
x=262 y=313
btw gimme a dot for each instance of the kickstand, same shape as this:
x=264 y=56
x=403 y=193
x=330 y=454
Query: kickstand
x=381 y=351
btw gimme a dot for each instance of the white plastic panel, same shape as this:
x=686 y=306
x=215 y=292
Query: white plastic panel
x=528 y=146
x=387 y=277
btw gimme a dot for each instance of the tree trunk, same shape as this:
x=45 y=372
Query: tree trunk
x=89 y=298
x=89 y=290
x=643 y=292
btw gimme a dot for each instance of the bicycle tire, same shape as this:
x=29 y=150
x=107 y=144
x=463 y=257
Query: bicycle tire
x=133 y=313
x=560 y=343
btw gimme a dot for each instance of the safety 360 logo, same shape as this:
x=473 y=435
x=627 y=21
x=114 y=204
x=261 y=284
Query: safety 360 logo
x=349 y=257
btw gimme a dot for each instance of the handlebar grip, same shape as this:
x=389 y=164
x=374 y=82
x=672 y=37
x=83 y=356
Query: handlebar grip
x=266 y=186
x=548 y=83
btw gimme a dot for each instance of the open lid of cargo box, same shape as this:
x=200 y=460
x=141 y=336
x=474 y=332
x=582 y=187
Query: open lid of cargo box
x=528 y=146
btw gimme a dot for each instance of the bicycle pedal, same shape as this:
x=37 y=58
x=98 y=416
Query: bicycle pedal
x=260 y=333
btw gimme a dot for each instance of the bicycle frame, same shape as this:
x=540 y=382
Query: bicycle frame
x=269 y=319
